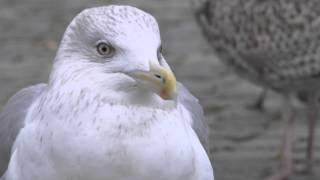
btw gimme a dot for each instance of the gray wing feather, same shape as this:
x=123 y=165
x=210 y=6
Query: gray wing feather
x=191 y=103
x=199 y=123
x=12 y=120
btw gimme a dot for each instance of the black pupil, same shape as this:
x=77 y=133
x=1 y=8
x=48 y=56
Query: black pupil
x=104 y=48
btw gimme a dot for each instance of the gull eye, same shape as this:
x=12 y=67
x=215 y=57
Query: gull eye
x=159 y=54
x=105 y=50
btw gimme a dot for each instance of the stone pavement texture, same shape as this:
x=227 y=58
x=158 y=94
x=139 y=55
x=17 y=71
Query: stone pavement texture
x=244 y=143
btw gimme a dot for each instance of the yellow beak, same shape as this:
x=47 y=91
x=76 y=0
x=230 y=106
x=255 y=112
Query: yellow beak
x=160 y=80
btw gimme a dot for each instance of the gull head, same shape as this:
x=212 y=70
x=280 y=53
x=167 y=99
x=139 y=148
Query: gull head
x=117 y=48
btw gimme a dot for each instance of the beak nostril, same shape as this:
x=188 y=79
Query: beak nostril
x=160 y=77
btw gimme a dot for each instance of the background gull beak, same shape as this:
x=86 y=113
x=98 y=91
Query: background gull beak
x=159 y=79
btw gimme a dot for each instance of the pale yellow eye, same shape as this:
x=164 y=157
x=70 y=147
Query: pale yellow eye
x=105 y=50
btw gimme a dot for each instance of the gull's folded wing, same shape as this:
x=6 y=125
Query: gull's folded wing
x=12 y=119
x=199 y=123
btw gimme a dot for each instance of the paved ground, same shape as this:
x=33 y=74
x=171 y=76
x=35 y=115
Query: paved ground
x=244 y=143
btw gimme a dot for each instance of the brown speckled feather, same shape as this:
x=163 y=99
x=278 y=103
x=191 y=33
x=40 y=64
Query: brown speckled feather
x=270 y=42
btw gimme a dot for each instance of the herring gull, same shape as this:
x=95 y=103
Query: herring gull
x=112 y=109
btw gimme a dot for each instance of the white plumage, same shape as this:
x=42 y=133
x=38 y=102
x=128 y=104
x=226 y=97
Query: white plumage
x=95 y=120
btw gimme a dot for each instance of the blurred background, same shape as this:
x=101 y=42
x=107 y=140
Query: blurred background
x=244 y=143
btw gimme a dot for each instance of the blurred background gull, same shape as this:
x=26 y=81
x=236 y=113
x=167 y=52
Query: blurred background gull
x=244 y=142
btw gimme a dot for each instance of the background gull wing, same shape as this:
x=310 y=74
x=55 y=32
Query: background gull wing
x=199 y=123
x=12 y=119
